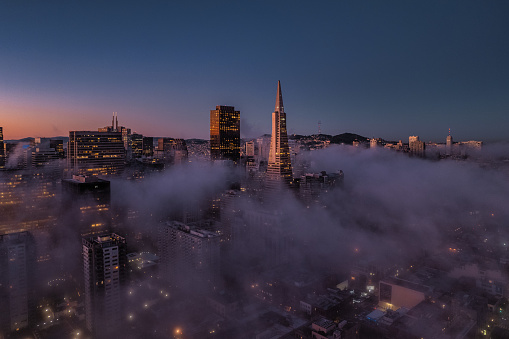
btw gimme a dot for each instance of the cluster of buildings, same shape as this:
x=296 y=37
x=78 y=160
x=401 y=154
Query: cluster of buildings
x=229 y=259
x=105 y=152
x=419 y=148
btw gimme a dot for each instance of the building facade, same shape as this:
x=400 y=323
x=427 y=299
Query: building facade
x=2 y=151
x=17 y=266
x=95 y=153
x=105 y=272
x=225 y=133
x=416 y=146
x=86 y=201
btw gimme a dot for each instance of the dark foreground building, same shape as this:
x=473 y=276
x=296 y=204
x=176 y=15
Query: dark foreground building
x=105 y=272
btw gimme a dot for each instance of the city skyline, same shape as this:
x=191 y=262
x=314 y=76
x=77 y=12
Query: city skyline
x=375 y=70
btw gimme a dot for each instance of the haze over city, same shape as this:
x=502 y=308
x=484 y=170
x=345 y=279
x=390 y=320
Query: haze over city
x=257 y=170
x=375 y=69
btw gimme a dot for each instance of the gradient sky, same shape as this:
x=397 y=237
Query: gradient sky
x=385 y=69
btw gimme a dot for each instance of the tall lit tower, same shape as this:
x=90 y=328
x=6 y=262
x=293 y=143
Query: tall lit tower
x=225 y=133
x=279 y=169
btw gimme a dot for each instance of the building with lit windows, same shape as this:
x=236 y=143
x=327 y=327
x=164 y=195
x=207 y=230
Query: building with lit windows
x=95 y=153
x=17 y=266
x=86 y=200
x=225 y=133
x=137 y=145
x=105 y=273
x=126 y=136
x=170 y=150
x=416 y=146
x=148 y=146
x=279 y=169
x=2 y=151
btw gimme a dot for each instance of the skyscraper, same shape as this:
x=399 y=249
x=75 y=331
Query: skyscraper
x=279 y=169
x=17 y=266
x=105 y=271
x=416 y=146
x=225 y=133
x=87 y=201
x=2 y=151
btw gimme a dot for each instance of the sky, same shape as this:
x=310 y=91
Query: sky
x=378 y=69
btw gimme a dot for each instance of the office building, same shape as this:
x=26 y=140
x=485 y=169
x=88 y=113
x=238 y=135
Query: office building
x=2 y=150
x=95 y=153
x=416 y=146
x=126 y=136
x=87 y=201
x=189 y=255
x=17 y=266
x=28 y=200
x=42 y=154
x=105 y=273
x=173 y=151
x=137 y=145
x=148 y=146
x=279 y=169
x=58 y=146
x=225 y=133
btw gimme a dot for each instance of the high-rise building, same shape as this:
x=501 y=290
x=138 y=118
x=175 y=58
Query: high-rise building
x=279 y=168
x=225 y=133
x=148 y=146
x=95 y=153
x=126 y=136
x=87 y=201
x=2 y=151
x=137 y=145
x=105 y=273
x=416 y=146
x=17 y=266
x=28 y=200
x=58 y=146
x=189 y=256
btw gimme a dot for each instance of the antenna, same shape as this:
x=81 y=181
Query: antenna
x=319 y=127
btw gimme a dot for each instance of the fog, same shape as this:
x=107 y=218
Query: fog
x=391 y=209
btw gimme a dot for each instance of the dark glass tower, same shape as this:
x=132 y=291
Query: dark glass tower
x=225 y=133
